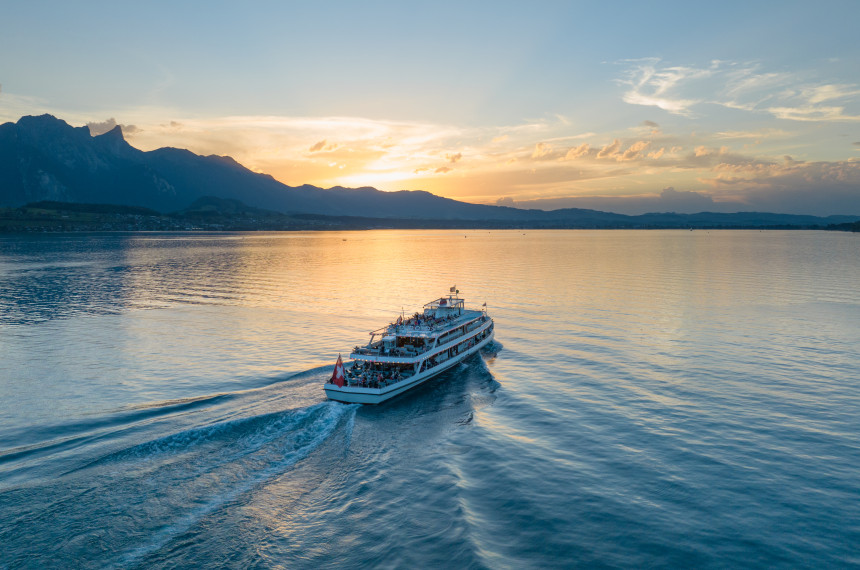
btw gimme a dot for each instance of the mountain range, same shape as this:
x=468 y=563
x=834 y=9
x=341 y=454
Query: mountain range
x=45 y=158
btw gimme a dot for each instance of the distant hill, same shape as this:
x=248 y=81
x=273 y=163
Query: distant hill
x=91 y=208
x=45 y=159
x=224 y=214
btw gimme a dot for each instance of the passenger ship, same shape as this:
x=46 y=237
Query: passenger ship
x=410 y=351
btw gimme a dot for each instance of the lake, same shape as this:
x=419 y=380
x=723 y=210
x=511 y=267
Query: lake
x=652 y=398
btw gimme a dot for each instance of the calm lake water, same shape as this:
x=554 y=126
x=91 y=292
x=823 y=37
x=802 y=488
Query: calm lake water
x=653 y=399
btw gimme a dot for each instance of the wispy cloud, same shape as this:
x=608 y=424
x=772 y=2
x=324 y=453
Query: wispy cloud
x=824 y=93
x=811 y=112
x=684 y=90
x=651 y=85
x=757 y=134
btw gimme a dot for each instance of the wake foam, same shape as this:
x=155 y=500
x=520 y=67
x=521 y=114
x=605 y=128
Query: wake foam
x=239 y=455
x=44 y=439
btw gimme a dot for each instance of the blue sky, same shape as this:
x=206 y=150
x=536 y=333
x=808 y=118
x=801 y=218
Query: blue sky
x=618 y=106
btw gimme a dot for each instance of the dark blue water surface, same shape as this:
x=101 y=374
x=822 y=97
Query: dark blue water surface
x=653 y=399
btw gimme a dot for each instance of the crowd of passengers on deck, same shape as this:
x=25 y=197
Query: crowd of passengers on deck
x=419 y=320
x=367 y=375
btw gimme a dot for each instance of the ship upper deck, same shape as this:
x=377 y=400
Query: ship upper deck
x=406 y=339
x=435 y=320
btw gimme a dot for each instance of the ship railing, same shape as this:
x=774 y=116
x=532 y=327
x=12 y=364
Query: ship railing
x=422 y=328
x=402 y=329
x=469 y=327
x=448 y=343
x=380 y=331
x=408 y=352
x=429 y=323
x=370 y=379
x=404 y=351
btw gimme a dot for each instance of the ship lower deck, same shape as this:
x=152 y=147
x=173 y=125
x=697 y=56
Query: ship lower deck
x=364 y=395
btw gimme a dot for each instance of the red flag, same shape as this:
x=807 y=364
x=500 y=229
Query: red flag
x=337 y=376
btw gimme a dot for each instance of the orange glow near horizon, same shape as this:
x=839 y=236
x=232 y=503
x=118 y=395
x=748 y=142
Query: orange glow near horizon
x=542 y=165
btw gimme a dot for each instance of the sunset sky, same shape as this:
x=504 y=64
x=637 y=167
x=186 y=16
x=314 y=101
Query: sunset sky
x=623 y=107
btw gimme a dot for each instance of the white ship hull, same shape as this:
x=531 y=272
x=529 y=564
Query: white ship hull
x=360 y=395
